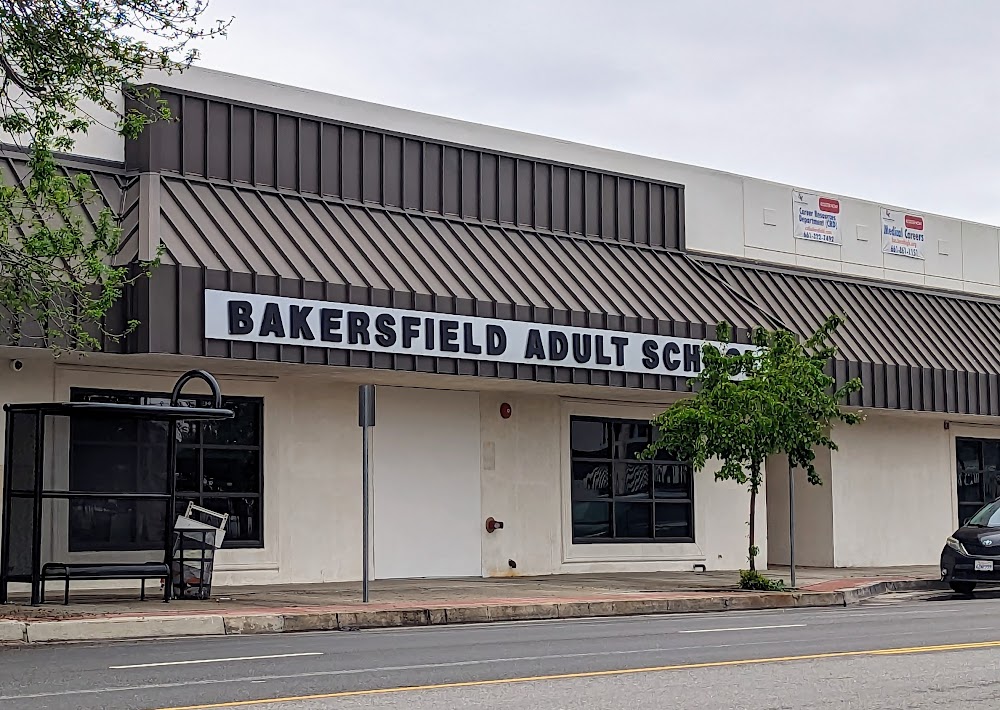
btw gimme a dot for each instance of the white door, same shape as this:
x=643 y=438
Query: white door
x=426 y=497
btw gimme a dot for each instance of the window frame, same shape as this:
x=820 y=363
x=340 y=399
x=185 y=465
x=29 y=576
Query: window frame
x=80 y=394
x=613 y=499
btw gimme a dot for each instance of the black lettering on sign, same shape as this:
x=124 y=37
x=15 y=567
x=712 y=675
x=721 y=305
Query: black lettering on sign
x=386 y=336
x=329 y=324
x=619 y=344
x=732 y=351
x=410 y=331
x=357 y=328
x=602 y=359
x=534 y=347
x=298 y=326
x=671 y=351
x=449 y=336
x=429 y=333
x=581 y=347
x=240 y=321
x=692 y=358
x=650 y=355
x=558 y=346
x=271 y=323
x=496 y=340
x=469 y=341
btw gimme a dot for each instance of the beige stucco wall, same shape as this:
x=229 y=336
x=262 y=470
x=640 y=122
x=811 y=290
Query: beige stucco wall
x=813 y=514
x=312 y=450
x=893 y=487
x=520 y=461
x=888 y=496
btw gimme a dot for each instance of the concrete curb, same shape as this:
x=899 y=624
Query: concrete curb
x=13 y=631
x=123 y=628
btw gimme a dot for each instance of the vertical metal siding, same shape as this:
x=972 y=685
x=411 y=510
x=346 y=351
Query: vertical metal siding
x=265 y=147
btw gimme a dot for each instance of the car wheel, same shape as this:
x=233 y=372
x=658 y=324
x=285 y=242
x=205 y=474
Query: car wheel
x=963 y=587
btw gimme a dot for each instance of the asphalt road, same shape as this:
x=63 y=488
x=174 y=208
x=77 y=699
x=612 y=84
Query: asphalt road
x=779 y=659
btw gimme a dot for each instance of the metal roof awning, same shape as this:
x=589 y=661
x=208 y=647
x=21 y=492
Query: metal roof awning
x=288 y=236
x=291 y=236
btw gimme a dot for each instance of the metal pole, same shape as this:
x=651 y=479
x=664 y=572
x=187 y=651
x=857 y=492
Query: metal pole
x=364 y=514
x=791 y=522
x=366 y=420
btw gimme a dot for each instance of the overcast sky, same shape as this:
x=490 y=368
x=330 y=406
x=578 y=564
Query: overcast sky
x=890 y=100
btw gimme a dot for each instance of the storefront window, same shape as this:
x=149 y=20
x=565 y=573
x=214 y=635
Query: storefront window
x=219 y=467
x=978 y=474
x=618 y=498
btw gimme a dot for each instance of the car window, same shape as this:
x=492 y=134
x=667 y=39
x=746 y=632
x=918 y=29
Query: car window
x=988 y=516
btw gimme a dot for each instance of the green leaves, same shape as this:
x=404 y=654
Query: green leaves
x=58 y=281
x=751 y=579
x=64 y=64
x=778 y=399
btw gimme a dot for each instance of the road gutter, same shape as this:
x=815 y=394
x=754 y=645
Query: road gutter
x=139 y=627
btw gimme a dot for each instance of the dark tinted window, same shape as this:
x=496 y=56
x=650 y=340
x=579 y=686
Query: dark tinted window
x=978 y=471
x=618 y=497
x=219 y=467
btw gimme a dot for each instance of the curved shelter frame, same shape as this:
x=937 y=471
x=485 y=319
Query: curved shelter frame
x=39 y=492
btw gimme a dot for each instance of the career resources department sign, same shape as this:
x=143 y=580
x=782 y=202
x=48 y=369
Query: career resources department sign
x=902 y=233
x=817 y=218
x=324 y=324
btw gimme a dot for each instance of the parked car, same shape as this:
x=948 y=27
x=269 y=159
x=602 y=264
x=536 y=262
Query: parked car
x=972 y=554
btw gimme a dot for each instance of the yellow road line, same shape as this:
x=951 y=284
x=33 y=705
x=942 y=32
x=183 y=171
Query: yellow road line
x=593 y=674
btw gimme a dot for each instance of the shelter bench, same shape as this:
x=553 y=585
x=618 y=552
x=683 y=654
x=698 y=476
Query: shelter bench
x=141 y=571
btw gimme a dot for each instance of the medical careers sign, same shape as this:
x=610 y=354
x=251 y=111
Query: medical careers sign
x=817 y=218
x=902 y=234
x=292 y=321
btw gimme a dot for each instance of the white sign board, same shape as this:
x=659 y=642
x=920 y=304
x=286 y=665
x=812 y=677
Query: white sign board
x=324 y=324
x=816 y=218
x=902 y=233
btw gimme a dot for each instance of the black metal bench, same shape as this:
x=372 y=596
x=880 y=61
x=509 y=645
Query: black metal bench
x=141 y=571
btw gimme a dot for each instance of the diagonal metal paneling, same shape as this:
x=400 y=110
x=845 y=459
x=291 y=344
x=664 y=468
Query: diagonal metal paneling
x=293 y=236
x=112 y=191
x=891 y=325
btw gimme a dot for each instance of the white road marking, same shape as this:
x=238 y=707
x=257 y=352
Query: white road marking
x=214 y=660
x=449 y=664
x=742 y=628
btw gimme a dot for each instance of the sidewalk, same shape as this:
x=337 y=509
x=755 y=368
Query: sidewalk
x=284 y=608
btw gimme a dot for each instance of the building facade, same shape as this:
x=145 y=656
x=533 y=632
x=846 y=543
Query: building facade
x=524 y=306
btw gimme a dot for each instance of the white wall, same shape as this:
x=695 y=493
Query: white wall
x=888 y=497
x=893 y=486
x=958 y=255
x=100 y=141
x=813 y=514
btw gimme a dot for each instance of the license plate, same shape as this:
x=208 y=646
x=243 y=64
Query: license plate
x=984 y=565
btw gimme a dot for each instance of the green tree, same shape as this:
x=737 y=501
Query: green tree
x=772 y=399
x=64 y=65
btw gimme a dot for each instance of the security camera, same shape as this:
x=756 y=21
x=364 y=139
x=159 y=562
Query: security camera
x=16 y=365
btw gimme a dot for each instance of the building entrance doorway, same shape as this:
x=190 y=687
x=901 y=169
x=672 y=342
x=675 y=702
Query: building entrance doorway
x=427 y=504
x=978 y=468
